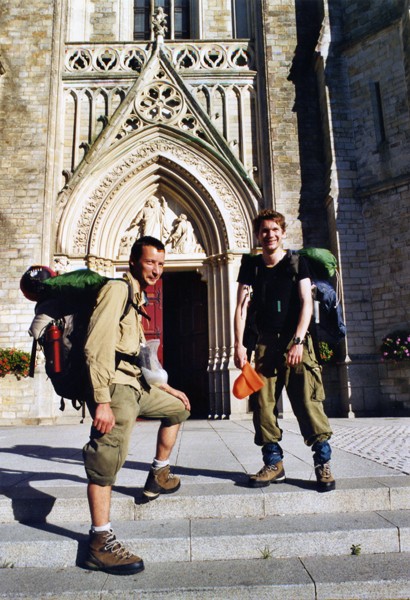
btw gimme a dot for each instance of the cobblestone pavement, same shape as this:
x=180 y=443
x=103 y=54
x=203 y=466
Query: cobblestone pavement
x=381 y=440
x=387 y=444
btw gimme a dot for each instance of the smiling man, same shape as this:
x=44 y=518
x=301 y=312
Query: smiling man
x=119 y=395
x=284 y=353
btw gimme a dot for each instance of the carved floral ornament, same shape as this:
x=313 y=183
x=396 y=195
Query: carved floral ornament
x=199 y=169
x=159 y=102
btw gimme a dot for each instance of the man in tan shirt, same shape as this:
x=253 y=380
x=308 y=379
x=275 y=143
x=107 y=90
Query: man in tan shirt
x=120 y=395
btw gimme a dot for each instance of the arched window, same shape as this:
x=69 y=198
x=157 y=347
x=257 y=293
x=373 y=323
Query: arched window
x=182 y=18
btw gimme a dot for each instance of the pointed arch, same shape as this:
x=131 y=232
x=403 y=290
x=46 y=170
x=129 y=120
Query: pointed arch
x=104 y=201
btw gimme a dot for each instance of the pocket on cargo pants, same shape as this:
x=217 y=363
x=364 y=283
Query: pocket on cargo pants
x=313 y=373
x=105 y=454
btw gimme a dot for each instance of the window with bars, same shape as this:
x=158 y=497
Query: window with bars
x=181 y=16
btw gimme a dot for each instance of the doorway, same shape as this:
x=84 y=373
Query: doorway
x=185 y=328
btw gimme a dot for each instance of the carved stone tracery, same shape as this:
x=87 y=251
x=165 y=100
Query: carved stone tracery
x=159 y=102
x=131 y=58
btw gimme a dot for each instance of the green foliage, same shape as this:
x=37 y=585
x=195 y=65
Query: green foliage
x=355 y=549
x=396 y=346
x=266 y=552
x=14 y=362
x=326 y=352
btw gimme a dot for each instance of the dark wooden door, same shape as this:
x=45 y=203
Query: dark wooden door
x=185 y=327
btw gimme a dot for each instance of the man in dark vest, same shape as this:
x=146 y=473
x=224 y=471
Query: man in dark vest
x=284 y=353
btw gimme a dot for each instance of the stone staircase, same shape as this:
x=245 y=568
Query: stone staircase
x=216 y=541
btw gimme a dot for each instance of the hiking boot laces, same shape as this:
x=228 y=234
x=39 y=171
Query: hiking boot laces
x=116 y=547
x=324 y=470
x=266 y=469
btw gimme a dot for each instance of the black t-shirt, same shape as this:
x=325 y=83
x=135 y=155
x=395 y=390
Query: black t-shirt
x=275 y=294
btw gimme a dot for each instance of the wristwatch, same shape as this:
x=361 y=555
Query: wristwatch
x=298 y=341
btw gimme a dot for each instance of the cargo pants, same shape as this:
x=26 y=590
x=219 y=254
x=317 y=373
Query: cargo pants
x=105 y=454
x=303 y=384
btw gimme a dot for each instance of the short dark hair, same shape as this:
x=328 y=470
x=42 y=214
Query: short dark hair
x=146 y=240
x=268 y=214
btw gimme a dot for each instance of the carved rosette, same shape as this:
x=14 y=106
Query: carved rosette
x=159 y=102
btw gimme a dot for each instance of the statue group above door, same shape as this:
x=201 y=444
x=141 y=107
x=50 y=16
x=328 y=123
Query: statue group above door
x=157 y=219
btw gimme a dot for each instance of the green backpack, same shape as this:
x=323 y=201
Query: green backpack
x=62 y=313
x=328 y=311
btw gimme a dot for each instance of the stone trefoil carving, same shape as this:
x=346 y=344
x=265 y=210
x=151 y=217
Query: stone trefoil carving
x=123 y=58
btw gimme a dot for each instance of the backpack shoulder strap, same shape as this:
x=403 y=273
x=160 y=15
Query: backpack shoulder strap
x=292 y=257
x=131 y=304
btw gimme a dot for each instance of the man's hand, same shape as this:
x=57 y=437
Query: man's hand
x=177 y=393
x=240 y=356
x=104 y=419
x=295 y=355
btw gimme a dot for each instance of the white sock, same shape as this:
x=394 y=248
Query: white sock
x=158 y=464
x=106 y=527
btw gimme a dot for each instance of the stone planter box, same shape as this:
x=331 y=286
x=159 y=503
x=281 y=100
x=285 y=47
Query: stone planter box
x=395 y=387
x=32 y=401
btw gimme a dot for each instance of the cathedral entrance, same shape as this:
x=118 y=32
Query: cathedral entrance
x=185 y=335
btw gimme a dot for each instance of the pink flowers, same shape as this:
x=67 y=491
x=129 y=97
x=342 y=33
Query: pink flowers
x=396 y=346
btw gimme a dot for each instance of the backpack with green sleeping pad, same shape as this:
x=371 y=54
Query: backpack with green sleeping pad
x=62 y=313
x=327 y=306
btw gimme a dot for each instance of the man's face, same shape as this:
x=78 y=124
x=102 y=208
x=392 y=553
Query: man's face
x=270 y=236
x=149 y=267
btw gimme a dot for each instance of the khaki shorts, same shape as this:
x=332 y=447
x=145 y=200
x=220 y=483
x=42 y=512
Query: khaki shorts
x=105 y=454
x=304 y=386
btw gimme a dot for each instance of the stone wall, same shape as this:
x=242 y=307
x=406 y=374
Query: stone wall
x=376 y=56
x=217 y=19
x=26 y=45
x=103 y=20
x=377 y=74
x=280 y=41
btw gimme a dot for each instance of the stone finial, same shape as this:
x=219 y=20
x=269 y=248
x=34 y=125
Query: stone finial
x=159 y=24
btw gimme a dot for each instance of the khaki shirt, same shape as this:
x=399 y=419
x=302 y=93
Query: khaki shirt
x=108 y=334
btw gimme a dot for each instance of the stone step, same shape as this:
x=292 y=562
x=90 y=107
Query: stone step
x=65 y=504
x=375 y=576
x=196 y=540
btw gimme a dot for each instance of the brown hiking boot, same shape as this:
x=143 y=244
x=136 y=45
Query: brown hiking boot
x=160 y=481
x=267 y=475
x=324 y=477
x=106 y=553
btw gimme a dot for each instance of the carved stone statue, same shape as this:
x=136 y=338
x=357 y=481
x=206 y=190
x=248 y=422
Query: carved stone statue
x=182 y=238
x=157 y=219
x=150 y=220
x=159 y=23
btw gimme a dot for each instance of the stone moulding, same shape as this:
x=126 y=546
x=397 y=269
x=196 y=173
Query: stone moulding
x=214 y=187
